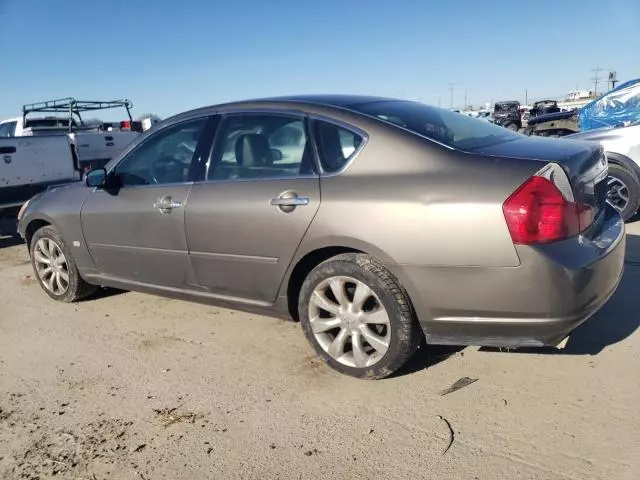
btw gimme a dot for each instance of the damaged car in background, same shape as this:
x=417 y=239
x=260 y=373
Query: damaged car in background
x=622 y=148
x=612 y=120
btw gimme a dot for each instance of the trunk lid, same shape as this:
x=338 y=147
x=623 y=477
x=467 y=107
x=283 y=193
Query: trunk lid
x=584 y=163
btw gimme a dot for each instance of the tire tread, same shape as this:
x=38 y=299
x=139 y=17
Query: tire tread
x=408 y=331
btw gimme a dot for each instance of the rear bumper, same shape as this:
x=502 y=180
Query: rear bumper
x=556 y=288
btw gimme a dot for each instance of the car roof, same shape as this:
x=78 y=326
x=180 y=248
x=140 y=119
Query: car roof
x=336 y=101
x=327 y=100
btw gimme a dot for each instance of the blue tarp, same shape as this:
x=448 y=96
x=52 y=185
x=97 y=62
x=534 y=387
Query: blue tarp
x=620 y=105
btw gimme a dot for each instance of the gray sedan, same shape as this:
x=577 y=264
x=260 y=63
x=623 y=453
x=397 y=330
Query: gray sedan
x=374 y=222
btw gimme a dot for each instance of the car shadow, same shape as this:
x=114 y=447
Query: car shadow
x=427 y=356
x=617 y=320
x=104 y=292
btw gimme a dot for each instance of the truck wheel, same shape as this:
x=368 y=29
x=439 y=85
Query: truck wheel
x=358 y=317
x=55 y=268
x=511 y=126
x=623 y=191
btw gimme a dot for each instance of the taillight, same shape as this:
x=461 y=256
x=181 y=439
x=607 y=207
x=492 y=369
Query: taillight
x=134 y=126
x=538 y=212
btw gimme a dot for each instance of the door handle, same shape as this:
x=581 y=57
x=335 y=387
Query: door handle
x=290 y=201
x=166 y=204
x=7 y=150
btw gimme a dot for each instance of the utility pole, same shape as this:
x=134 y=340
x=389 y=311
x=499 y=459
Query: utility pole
x=613 y=79
x=450 y=95
x=465 y=99
x=526 y=96
x=595 y=79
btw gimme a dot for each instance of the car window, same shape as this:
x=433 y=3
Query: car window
x=164 y=158
x=449 y=128
x=336 y=145
x=8 y=129
x=261 y=146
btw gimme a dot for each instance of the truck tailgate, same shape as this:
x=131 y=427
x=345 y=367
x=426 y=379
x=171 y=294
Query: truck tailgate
x=34 y=160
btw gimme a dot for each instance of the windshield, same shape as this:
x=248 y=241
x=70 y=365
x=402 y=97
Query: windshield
x=505 y=107
x=449 y=128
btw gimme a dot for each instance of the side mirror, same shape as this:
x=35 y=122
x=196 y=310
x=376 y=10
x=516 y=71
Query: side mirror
x=96 y=178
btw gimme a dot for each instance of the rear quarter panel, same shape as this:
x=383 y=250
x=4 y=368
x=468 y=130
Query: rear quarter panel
x=411 y=202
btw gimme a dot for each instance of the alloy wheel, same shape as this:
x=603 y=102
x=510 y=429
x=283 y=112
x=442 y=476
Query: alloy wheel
x=617 y=193
x=349 y=321
x=51 y=266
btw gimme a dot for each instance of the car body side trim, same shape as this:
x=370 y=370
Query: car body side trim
x=232 y=257
x=129 y=247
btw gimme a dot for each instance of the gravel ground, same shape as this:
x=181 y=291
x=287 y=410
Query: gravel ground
x=131 y=386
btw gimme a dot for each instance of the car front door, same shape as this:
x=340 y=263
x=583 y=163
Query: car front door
x=135 y=231
x=245 y=220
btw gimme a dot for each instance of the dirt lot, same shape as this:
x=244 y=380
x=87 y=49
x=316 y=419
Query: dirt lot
x=130 y=386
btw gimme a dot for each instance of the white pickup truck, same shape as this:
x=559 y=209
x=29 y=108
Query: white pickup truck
x=38 y=152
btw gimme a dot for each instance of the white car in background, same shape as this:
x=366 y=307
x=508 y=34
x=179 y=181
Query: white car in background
x=622 y=147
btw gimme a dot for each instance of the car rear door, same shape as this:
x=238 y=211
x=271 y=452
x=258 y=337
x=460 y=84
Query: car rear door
x=260 y=192
x=136 y=232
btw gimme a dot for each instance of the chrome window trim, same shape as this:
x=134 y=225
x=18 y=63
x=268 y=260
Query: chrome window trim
x=387 y=122
x=266 y=179
x=155 y=185
x=346 y=126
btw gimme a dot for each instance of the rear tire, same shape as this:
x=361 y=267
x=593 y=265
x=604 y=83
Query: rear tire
x=511 y=126
x=55 y=268
x=624 y=191
x=368 y=328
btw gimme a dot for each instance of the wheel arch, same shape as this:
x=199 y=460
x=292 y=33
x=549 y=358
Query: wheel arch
x=303 y=267
x=312 y=253
x=624 y=161
x=33 y=225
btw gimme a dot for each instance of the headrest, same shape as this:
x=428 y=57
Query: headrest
x=252 y=150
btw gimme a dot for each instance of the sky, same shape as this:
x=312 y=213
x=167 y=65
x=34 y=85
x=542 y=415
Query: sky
x=169 y=56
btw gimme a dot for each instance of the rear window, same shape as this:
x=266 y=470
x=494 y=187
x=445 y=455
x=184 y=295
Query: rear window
x=449 y=128
x=505 y=107
x=47 y=122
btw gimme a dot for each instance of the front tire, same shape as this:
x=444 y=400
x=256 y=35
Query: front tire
x=55 y=267
x=623 y=191
x=358 y=317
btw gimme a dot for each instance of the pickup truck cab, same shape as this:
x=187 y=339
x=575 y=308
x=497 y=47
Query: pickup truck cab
x=38 y=152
